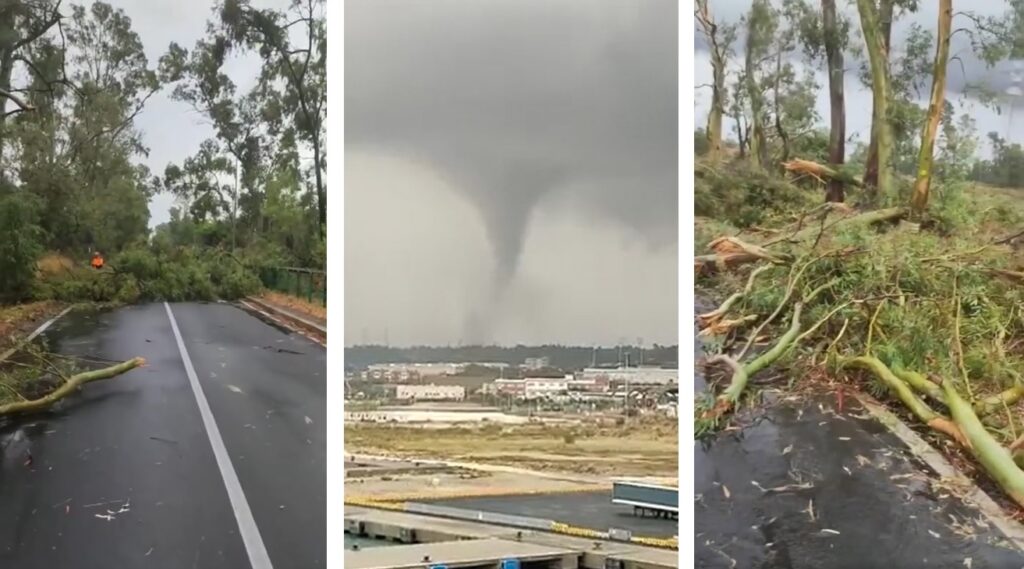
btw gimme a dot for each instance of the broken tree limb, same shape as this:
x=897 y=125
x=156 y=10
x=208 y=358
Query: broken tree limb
x=709 y=318
x=741 y=373
x=902 y=390
x=921 y=384
x=995 y=402
x=69 y=387
x=720 y=327
x=982 y=408
x=997 y=460
x=821 y=172
x=1012 y=275
x=892 y=214
x=732 y=251
x=735 y=252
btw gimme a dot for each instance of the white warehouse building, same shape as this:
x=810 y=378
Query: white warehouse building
x=634 y=375
x=430 y=392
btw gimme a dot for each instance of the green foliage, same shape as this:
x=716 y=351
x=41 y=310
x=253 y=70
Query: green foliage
x=20 y=245
x=745 y=197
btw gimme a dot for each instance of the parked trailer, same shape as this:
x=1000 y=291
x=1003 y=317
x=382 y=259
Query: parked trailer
x=647 y=498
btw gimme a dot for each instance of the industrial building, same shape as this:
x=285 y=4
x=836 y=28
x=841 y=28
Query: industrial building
x=430 y=392
x=633 y=375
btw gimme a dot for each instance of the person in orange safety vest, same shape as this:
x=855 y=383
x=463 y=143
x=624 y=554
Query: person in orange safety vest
x=97 y=260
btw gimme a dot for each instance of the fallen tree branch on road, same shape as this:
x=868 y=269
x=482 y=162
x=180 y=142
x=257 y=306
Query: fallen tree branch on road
x=741 y=373
x=906 y=395
x=69 y=387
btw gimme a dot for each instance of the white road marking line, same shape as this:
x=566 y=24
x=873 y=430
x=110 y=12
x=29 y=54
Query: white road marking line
x=254 y=546
x=42 y=328
x=46 y=325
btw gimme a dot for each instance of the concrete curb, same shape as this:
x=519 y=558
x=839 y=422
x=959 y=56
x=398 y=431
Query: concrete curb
x=288 y=314
x=1013 y=531
x=286 y=317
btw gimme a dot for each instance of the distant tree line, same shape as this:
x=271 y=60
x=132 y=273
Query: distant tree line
x=564 y=357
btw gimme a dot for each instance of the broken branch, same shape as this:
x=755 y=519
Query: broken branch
x=69 y=387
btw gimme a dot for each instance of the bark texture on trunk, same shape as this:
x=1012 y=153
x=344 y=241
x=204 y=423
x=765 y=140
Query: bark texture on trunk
x=919 y=197
x=885 y=18
x=837 y=101
x=757 y=139
x=881 y=131
x=714 y=126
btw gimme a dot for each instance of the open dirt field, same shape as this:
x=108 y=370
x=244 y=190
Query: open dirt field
x=648 y=449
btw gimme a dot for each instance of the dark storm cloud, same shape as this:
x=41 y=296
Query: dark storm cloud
x=518 y=99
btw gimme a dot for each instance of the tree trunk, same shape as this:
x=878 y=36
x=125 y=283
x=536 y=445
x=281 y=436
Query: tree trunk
x=881 y=130
x=756 y=139
x=321 y=195
x=778 y=115
x=919 y=197
x=741 y=137
x=884 y=21
x=714 y=127
x=6 y=68
x=837 y=102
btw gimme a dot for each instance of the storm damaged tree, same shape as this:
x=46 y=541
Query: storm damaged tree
x=824 y=35
x=761 y=24
x=878 y=175
x=834 y=38
x=919 y=195
x=720 y=38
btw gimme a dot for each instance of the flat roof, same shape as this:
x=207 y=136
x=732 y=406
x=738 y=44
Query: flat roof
x=450 y=554
x=659 y=483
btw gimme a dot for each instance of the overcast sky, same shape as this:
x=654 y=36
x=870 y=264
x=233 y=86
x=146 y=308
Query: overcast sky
x=511 y=171
x=1007 y=76
x=172 y=130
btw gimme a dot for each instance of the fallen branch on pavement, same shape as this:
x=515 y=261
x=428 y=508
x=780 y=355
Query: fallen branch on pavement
x=741 y=373
x=68 y=387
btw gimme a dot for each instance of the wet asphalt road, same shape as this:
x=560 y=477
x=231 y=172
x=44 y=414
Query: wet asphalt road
x=842 y=493
x=592 y=510
x=865 y=502
x=134 y=449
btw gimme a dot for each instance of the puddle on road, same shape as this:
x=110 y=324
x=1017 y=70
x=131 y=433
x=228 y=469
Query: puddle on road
x=799 y=487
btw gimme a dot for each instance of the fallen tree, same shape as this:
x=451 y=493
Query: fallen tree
x=69 y=386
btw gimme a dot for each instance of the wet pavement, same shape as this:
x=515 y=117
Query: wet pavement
x=123 y=473
x=592 y=510
x=806 y=486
